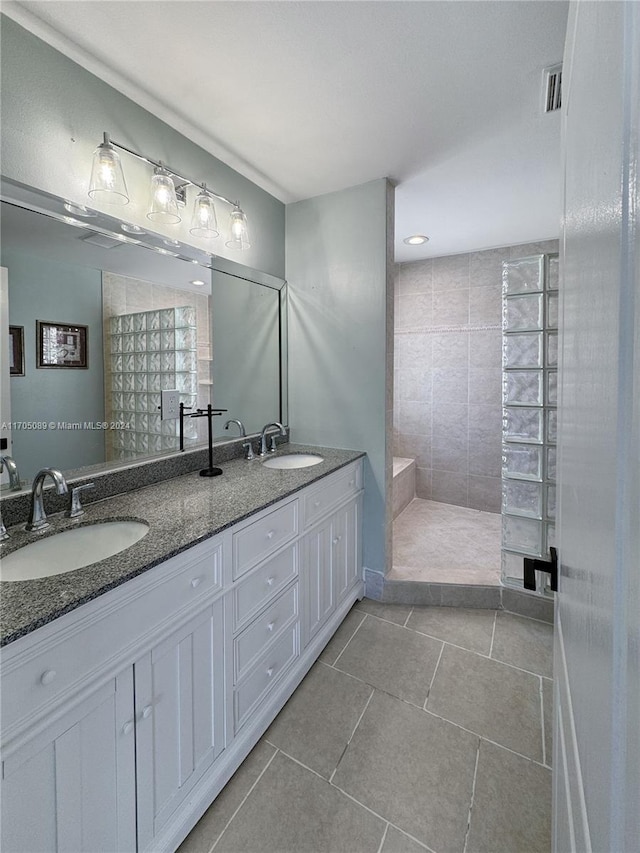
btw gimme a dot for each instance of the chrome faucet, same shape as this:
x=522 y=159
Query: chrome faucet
x=12 y=469
x=37 y=515
x=263 y=438
x=240 y=426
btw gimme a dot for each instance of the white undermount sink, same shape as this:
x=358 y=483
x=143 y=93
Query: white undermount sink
x=70 y=550
x=293 y=460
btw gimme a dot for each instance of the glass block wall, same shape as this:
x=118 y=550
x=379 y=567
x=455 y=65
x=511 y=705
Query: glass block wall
x=151 y=351
x=529 y=383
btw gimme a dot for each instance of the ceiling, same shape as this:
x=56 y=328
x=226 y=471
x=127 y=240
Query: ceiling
x=305 y=97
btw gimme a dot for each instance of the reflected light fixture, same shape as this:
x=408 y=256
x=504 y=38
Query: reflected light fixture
x=416 y=240
x=168 y=193
x=107 y=182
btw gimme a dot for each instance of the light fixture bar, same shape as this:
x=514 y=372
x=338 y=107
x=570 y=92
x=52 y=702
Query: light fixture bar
x=162 y=165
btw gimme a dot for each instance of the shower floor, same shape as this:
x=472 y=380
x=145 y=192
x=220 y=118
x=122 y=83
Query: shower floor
x=441 y=543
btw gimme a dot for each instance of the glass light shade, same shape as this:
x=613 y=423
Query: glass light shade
x=204 y=222
x=164 y=205
x=107 y=182
x=239 y=236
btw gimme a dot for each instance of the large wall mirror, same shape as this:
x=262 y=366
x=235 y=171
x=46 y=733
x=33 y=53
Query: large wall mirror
x=98 y=321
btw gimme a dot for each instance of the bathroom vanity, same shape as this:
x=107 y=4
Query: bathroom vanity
x=133 y=688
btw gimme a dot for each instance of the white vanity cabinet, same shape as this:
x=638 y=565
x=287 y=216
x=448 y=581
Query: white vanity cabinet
x=123 y=719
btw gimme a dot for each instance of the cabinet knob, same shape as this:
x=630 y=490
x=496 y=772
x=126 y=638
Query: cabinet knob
x=317 y=503
x=270 y=626
x=146 y=712
x=127 y=728
x=47 y=676
x=270 y=581
x=270 y=671
x=195 y=582
x=337 y=539
x=270 y=534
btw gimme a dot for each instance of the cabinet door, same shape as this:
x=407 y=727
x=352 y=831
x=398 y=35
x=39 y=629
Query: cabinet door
x=346 y=548
x=179 y=690
x=72 y=786
x=316 y=579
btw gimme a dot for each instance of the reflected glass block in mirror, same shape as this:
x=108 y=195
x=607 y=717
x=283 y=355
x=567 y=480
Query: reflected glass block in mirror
x=550 y=467
x=552 y=311
x=512 y=566
x=551 y=503
x=551 y=348
x=553 y=272
x=552 y=388
x=551 y=432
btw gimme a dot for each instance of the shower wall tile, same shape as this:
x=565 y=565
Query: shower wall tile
x=485 y=268
x=450 y=385
x=451 y=307
x=415 y=277
x=448 y=377
x=450 y=488
x=485 y=305
x=415 y=310
x=450 y=349
x=485 y=493
x=451 y=272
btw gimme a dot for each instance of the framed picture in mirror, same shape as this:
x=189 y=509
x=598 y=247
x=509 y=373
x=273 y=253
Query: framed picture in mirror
x=61 y=345
x=16 y=350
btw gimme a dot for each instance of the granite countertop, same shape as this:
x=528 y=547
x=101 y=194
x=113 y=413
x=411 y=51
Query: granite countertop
x=180 y=513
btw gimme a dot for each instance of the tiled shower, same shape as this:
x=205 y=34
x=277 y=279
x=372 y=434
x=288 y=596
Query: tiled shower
x=448 y=407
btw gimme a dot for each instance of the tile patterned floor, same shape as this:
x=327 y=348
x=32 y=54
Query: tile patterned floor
x=442 y=543
x=417 y=729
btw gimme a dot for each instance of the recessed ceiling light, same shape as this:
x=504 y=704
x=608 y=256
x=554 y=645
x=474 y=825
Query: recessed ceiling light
x=132 y=229
x=416 y=240
x=198 y=282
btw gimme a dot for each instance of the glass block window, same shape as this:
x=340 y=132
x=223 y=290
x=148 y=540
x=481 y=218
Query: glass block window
x=151 y=351
x=530 y=396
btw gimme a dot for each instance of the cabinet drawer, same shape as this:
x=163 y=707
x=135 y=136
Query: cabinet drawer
x=257 y=541
x=263 y=584
x=272 y=664
x=116 y=620
x=264 y=631
x=334 y=489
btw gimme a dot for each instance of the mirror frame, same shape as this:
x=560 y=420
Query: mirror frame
x=39 y=201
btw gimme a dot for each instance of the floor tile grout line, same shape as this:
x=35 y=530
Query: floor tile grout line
x=473 y=793
x=380 y=817
x=481 y=655
x=364 y=616
x=493 y=632
x=342 y=754
x=245 y=798
x=382 y=840
x=544 y=746
x=433 y=677
x=406 y=621
x=483 y=737
x=523 y=616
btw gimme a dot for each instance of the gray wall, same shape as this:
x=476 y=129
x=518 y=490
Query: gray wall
x=42 y=290
x=448 y=368
x=337 y=263
x=53 y=115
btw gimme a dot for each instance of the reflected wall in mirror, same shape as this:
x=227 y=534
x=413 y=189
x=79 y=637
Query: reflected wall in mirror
x=225 y=345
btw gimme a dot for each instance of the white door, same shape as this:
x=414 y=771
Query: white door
x=597 y=732
x=70 y=788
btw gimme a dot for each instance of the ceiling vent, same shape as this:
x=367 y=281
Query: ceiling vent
x=101 y=240
x=553 y=88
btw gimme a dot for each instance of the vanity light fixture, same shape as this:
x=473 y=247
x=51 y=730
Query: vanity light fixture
x=168 y=193
x=107 y=182
x=416 y=240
